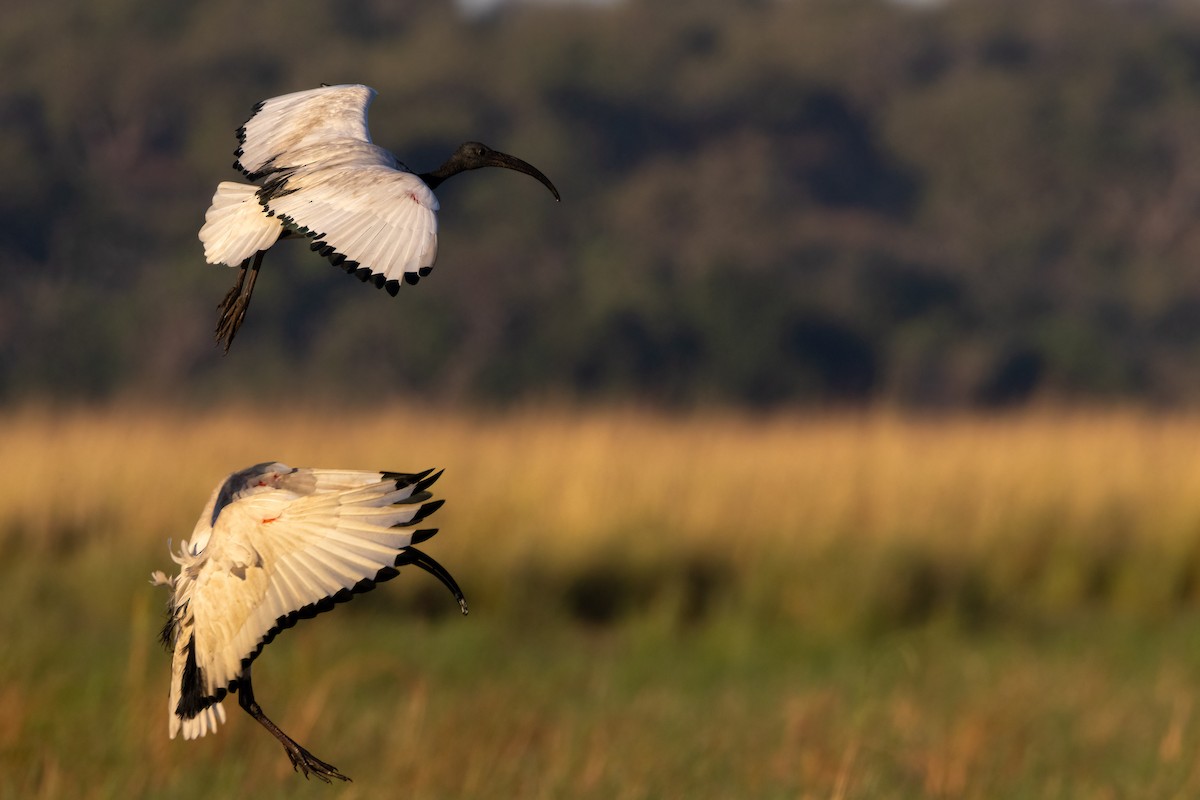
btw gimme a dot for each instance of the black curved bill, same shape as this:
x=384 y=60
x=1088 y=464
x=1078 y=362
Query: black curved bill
x=418 y=558
x=495 y=158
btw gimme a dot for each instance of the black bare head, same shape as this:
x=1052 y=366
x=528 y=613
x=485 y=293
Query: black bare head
x=473 y=155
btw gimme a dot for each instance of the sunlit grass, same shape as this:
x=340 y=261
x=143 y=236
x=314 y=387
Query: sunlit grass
x=798 y=481
x=716 y=605
x=1063 y=507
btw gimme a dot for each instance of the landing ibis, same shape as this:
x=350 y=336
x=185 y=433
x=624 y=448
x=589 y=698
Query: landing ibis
x=318 y=175
x=275 y=545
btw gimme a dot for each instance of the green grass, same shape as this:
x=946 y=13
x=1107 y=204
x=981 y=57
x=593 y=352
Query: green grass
x=494 y=706
x=905 y=645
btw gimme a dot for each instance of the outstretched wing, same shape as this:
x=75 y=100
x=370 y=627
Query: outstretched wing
x=286 y=545
x=282 y=128
x=324 y=178
x=366 y=216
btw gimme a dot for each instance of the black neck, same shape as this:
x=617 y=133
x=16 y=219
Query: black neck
x=439 y=175
x=432 y=180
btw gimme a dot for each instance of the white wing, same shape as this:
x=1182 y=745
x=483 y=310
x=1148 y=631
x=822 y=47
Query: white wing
x=285 y=545
x=236 y=226
x=373 y=220
x=284 y=125
x=325 y=179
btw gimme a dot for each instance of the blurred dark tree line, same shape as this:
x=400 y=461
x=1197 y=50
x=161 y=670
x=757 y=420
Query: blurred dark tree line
x=979 y=203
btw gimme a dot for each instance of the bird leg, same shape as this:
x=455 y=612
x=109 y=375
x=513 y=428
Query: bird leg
x=302 y=760
x=233 y=308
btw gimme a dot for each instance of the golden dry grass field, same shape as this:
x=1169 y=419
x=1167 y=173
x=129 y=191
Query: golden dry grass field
x=710 y=605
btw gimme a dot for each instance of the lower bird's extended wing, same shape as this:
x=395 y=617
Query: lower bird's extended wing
x=275 y=545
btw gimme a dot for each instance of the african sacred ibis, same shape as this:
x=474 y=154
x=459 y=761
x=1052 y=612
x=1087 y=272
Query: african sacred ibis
x=324 y=179
x=275 y=545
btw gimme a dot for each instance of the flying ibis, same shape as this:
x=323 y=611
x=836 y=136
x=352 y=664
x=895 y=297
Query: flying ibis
x=321 y=177
x=275 y=545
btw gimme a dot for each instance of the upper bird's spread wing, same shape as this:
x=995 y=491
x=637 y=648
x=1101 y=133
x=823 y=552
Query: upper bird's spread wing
x=366 y=216
x=281 y=128
x=275 y=545
x=323 y=178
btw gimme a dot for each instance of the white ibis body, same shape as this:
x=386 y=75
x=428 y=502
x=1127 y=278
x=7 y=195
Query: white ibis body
x=275 y=545
x=321 y=177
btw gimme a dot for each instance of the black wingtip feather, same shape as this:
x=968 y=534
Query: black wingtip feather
x=406 y=479
x=192 y=699
x=411 y=278
x=392 y=287
x=425 y=483
x=424 y=535
x=424 y=511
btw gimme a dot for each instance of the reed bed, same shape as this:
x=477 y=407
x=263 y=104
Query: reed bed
x=1060 y=504
x=563 y=480
x=705 y=605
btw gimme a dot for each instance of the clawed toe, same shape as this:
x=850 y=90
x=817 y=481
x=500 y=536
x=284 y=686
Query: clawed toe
x=232 y=310
x=306 y=763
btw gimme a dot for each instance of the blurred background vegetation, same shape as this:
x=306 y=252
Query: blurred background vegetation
x=769 y=203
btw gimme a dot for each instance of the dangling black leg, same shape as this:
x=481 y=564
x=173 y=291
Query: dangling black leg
x=302 y=760
x=233 y=308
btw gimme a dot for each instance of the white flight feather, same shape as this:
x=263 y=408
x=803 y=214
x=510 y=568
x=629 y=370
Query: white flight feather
x=236 y=226
x=373 y=214
x=293 y=122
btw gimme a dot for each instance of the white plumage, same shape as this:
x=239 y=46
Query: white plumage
x=323 y=178
x=235 y=226
x=273 y=545
x=327 y=180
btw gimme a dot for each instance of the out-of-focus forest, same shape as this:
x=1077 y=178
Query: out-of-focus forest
x=764 y=203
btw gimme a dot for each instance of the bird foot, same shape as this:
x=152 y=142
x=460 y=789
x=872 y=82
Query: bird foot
x=308 y=764
x=232 y=309
x=232 y=312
